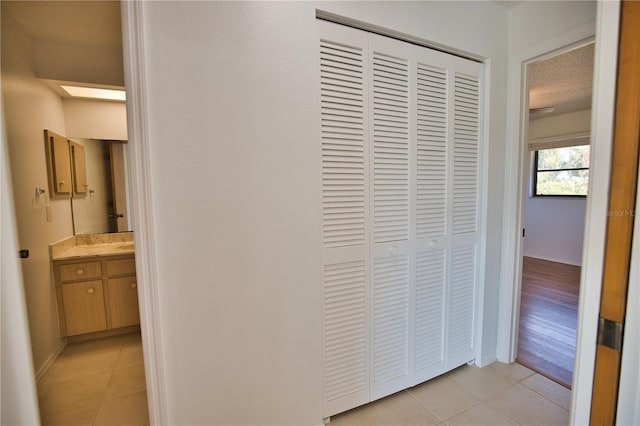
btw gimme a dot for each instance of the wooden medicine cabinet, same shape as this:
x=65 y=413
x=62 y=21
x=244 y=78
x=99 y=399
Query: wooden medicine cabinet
x=66 y=166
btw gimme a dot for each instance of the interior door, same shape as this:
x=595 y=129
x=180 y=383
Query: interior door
x=345 y=216
x=391 y=132
x=431 y=215
x=619 y=239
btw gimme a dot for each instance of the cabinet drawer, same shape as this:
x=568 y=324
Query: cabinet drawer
x=77 y=271
x=121 y=267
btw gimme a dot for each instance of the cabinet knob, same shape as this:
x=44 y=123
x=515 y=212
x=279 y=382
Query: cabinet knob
x=134 y=285
x=80 y=271
x=91 y=290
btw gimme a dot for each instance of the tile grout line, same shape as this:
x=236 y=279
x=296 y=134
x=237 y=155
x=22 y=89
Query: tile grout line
x=548 y=399
x=423 y=406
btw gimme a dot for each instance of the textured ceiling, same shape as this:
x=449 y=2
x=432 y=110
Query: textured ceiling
x=563 y=82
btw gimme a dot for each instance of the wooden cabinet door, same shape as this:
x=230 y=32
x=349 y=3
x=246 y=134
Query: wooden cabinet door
x=84 y=307
x=59 y=164
x=80 y=184
x=123 y=301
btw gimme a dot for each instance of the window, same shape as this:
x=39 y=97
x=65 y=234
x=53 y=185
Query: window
x=561 y=171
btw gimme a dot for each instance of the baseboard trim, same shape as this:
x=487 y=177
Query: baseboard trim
x=551 y=259
x=47 y=364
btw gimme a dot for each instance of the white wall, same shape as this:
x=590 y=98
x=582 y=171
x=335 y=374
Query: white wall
x=555 y=226
x=29 y=108
x=233 y=117
x=555 y=229
x=90 y=119
x=532 y=22
x=18 y=399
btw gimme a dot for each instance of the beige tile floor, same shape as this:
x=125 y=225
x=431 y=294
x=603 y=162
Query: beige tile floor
x=500 y=394
x=100 y=382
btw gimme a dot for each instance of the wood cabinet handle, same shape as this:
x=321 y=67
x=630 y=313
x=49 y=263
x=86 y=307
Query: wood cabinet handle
x=80 y=271
x=134 y=285
x=91 y=290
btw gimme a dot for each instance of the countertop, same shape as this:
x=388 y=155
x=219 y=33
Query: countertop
x=96 y=250
x=93 y=245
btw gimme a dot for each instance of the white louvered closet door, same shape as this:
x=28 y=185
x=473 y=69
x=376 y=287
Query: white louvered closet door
x=432 y=106
x=400 y=132
x=390 y=90
x=464 y=199
x=345 y=207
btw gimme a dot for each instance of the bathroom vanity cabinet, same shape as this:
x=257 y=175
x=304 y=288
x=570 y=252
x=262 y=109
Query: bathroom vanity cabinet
x=96 y=294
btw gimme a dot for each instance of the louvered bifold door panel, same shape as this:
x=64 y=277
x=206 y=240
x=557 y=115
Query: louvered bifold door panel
x=390 y=94
x=464 y=215
x=345 y=163
x=432 y=117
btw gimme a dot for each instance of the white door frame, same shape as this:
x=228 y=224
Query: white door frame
x=602 y=115
x=139 y=165
x=602 y=121
x=516 y=158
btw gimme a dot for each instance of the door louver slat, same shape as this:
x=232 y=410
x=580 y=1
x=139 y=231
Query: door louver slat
x=345 y=347
x=431 y=151
x=391 y=148
x=465 y=153
x=461 y=301
x=342 y=129
x=430 y=282
x=390 y=334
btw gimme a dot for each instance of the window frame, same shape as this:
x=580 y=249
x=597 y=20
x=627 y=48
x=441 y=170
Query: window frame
x=534 y=172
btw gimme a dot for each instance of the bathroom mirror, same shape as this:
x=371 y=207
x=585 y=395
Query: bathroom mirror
x=104 y=205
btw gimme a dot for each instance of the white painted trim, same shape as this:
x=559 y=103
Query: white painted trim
x=602 y=116
x=140 y=183
x=50 y=360
x=398 y=35
x=483 y=219
x=516 y=158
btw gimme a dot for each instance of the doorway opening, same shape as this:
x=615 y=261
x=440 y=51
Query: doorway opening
x=556 y=173
x=80 y=378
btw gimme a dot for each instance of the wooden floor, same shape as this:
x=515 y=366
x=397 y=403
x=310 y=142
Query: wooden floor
x=548 y=318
